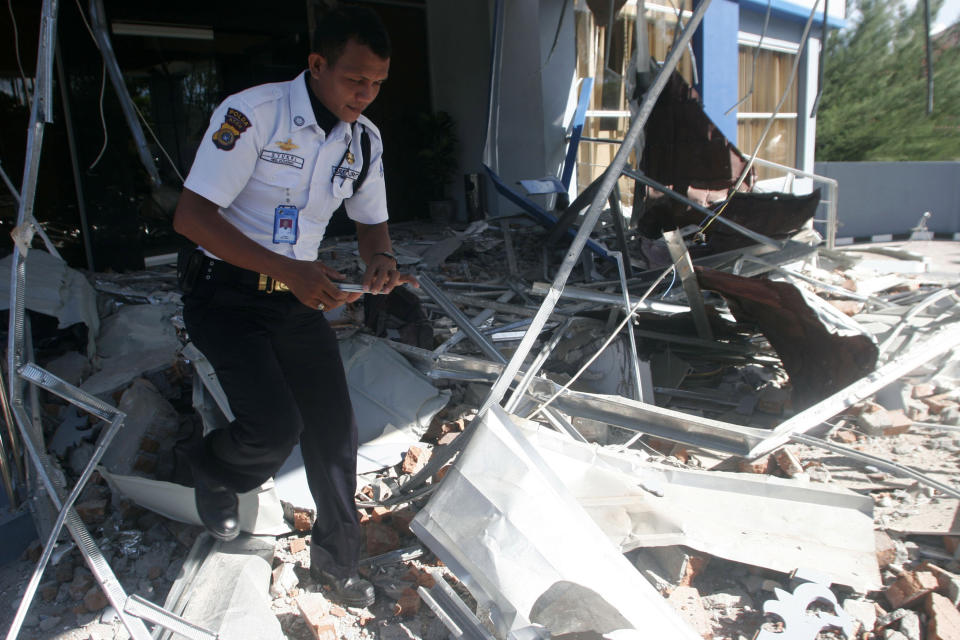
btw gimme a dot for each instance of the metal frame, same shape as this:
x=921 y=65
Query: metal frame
x=24 y=372
x=831 y=185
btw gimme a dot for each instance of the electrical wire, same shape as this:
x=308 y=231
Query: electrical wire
x=16 y=49
x=103 y=119
x=135 y=108
x=783 y=98
x=627 y=318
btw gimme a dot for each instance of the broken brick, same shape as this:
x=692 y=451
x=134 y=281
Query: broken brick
x=408 y=604
x=686 y=601
x=943 y=619
x=313 y=610
x=302 y=519
x=94 y=599
x=924 y=390
x=788 y=462
x=875 y=421
x=760 y=465
x=380 y=513
x=401 y=519
x=886 y=550
x=438 y=476
x=415 y=459
x=773 y=400
x=297 y=545
x=447 y=438
x=939 y=403
x=910 y=587
x=899 y=423
x=844 y=436
x=949 y=582
x=381 y=538
x=92 y=511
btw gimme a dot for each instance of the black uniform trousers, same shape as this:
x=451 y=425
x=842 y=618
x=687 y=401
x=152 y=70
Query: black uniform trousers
x=279 y=365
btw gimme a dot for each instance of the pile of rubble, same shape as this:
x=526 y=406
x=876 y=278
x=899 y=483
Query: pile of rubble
x=792 y=471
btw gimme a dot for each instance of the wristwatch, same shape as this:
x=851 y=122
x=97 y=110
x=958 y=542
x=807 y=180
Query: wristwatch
x=389 y=255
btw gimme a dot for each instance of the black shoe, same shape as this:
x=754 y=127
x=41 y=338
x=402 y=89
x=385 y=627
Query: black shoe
x=353 y=591
x=217 y=507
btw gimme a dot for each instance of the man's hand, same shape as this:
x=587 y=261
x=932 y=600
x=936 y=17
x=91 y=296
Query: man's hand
x=382 y=276
x=311 y=283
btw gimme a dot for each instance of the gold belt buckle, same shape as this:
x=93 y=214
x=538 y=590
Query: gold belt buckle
x=268 y=284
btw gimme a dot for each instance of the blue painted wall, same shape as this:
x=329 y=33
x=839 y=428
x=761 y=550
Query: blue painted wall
x=715 y=47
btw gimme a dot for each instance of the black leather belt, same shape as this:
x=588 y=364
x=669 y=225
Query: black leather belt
x=224 y=273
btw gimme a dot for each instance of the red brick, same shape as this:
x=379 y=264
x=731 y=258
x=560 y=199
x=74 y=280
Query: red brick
x=92 y=511
x=94 y=600
x=313 y=610
x=438 y=476
x=844 y=436
x=447 y=438
x=401 y=519
x=380 y=514
x=788 y=462
x=939 y=403
x=297 y=545
x=408 y=604
x=424 y=579
x=760 y=465
x=885 y=549
x=415 y=459
x=302 y=519
x=381 y=538
x=943 y=619
x=910 y=587
x=899 y=423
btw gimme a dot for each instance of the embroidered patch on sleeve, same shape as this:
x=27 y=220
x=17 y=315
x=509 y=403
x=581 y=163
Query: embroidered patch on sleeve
x=234 y=123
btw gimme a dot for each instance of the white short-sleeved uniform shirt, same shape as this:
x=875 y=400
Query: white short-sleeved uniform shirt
x=264 y=149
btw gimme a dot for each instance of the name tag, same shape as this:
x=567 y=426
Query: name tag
x=285 y=224
x=281 y=157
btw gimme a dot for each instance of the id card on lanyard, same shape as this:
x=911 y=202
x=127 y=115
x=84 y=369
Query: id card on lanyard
x=286 y=227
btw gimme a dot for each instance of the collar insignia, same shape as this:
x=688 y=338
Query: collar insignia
x=286 y=145
x=350 y=157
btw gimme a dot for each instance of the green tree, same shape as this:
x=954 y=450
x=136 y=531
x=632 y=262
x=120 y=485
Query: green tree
x=875 y=88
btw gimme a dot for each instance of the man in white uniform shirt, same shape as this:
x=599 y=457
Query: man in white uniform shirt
x=276 y=162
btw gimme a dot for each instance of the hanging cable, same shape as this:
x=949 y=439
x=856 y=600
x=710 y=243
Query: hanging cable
x=783 y=98
x=16 y=50
x=135 y=108
x=103 y=119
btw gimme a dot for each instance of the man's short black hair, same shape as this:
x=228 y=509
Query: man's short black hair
x=346 y=22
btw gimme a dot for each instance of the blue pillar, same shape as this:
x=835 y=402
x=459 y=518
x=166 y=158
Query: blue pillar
x=715 y=47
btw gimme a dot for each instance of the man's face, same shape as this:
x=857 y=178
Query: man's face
x=349 y=85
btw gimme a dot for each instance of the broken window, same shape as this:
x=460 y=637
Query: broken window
x=768 y=81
